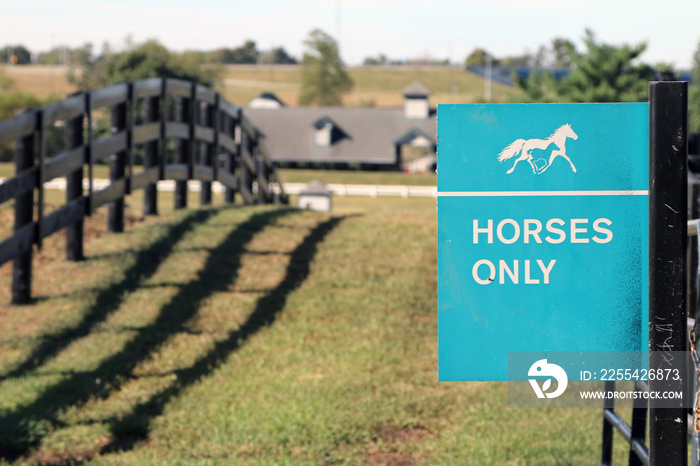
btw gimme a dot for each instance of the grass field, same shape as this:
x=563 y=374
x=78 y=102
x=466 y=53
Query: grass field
x=374 y=86
x=255 y=335
x=41 y=80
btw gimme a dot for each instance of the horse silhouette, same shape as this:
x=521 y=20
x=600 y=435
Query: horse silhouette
x=524 y=147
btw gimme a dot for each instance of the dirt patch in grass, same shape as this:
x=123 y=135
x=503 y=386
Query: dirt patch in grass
x=404 y=435
x=64 y=458
x=391 y=459
x=394 y=440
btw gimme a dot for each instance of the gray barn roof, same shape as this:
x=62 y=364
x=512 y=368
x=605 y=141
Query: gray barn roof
x=369 y=135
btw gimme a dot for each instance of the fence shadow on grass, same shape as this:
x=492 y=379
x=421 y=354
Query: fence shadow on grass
x=135 y=427
x=25 y=427
x=109 y=299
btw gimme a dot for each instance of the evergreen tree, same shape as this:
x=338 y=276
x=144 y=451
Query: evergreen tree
x=603 y=73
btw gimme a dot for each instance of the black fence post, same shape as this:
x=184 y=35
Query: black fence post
x=668 y=145
x=182 y=150
x=74 y=189
x=205 y=154
x=245 y=177
x=263 y=176
x=215 y=117
x=117 y=164
x=150 y=151
x=24 y=213
x=232 y=128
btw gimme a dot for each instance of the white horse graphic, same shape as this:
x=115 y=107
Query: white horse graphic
x=526 y=146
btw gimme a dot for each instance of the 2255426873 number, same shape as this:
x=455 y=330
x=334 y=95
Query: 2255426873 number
x=639 y=374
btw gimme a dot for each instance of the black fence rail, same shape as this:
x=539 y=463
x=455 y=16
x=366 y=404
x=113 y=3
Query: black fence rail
x=179 y=131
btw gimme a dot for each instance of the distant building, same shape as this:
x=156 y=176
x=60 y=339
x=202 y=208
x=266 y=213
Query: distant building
x=316 y=196
x=266 y=100
x=340 y=137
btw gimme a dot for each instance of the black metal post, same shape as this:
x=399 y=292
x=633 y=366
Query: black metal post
x=638 y=427
x=668 y=146
x=117 y=164
x=694 y=212
x=74 y=190
x=205 y=155
x=24 y=213
x=182 y=150
x=608 y=428
x=150 y=150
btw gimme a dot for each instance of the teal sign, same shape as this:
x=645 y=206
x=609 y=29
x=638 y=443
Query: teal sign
x=542 y=232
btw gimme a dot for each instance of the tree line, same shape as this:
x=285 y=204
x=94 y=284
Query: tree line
x=247 y=53
x=599 y=72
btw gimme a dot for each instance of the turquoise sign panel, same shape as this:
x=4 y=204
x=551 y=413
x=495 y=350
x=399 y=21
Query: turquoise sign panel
x=542 y=232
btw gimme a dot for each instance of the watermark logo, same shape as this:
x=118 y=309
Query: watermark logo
x=542 y=368
x=524 y=147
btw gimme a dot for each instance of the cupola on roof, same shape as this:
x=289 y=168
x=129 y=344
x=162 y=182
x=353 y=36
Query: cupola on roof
x=416 y=89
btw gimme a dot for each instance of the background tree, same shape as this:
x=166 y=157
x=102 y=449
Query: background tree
x=323 y=77
x=276 y=56
x=81 y=55
x=525 y=60
x=148 y=60
x=12 y=100
x=63 y=55
x=603 y=73
x=562 y=53
x=379 y=60
x=6 y=83
x=245 y=54
x=478 y=57
x=22 y=55
x=694 y=94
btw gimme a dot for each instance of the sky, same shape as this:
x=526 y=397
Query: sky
x=402 y=29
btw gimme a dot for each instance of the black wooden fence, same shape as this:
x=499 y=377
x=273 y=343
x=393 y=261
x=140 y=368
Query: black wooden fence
x=181 y=130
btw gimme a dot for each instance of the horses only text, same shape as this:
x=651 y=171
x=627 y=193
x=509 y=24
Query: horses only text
x=532 y=231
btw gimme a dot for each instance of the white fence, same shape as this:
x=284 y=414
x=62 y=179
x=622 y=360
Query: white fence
x=290 y=188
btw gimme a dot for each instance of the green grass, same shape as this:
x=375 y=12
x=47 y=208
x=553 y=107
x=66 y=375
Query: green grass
x=256 y=335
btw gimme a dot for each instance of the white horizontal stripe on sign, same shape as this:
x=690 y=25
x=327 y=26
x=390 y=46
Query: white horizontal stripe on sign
x=540 y=193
